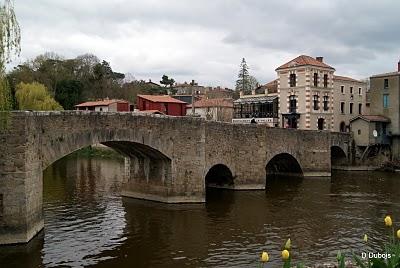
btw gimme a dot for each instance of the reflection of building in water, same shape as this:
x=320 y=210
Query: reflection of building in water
x=262 y=107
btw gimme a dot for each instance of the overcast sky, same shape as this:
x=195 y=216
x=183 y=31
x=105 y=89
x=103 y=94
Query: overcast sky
x=205 y=40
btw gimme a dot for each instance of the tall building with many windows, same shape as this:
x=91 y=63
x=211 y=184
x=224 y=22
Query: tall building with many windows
x=349 y=101
x=385 y=101
x=305 y=89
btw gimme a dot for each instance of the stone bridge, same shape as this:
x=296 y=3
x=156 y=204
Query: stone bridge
x=167 y=159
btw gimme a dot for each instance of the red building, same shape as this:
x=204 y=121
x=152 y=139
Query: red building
x=165 y=104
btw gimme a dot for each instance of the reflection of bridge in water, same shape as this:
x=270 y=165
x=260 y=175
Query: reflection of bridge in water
x=168 y=159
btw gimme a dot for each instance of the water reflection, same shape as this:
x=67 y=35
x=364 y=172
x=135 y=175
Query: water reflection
x=89 y=224
x=84 y=215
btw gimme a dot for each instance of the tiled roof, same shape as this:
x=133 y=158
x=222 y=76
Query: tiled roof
x=213 y=103
x=160 y=98
x=272 y=83
x=345 y=78
x=99 y=103
x=386 y=74
x=304 y=60
x=372 y=118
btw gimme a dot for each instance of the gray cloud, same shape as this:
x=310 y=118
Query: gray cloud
x=205 y=40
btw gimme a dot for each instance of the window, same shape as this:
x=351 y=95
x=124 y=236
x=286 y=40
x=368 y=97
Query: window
x=292 y=104
x=326 y=102
x=359 y=108
x=342 y=89
x=315 y=79
x=351 y=108
x=351 y=90
x=359 y=132
x=359 y=91
x=342 y=107
x=292 y=80
x=386 y=83
x=320 y=124
x=1 y=206
x=316 y=102
x=325 y=80
x=342 y=127
x=385 y=100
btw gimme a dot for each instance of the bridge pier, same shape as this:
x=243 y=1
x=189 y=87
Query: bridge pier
x=155 y=180
x=21 y=184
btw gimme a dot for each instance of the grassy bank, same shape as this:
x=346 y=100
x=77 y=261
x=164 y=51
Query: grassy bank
x=98 y=152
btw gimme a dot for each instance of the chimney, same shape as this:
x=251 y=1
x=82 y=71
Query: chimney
x=320 y=59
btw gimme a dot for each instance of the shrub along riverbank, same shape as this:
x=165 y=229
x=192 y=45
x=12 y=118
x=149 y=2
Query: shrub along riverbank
x=100 y=152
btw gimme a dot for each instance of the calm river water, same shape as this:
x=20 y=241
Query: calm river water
x=88 y=223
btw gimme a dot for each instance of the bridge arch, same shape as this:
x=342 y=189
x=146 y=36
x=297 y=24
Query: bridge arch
x=283 y=165
x=338 y=156
x=219 y=176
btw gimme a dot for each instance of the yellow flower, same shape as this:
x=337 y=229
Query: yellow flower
x=264 y=257
x=398 y=234
x=288 y=244
x=388 y=221
x=365 y=238
x=285 y=254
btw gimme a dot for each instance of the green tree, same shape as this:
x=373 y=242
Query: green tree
x=69 y=93
x=10 y=38
x=243 y=81
x=35 y=96
x=253 y=82
x=166 y=81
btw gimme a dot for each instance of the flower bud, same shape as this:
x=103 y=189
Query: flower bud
x=264 y=256
x=285 y=254
x=388 y=221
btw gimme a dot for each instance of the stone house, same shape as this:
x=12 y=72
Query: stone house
x=349 y=96
x=213 y=109
x=305 y=89
x=385 y=101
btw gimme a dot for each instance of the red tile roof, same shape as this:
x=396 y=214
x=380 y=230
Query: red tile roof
x=304 y=60
x=345 y=78
x=213 y=103
x=372 y=118
x=99 y=103
x=160 y=98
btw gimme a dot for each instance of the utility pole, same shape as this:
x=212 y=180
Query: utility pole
x=193 y=100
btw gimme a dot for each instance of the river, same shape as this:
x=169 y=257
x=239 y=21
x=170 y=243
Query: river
x=88 y=223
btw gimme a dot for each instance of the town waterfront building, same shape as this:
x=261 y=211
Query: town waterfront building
x=305 y=89
x=260 y=107
x=306 y=95
x=385 y=101
x=349 y=96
